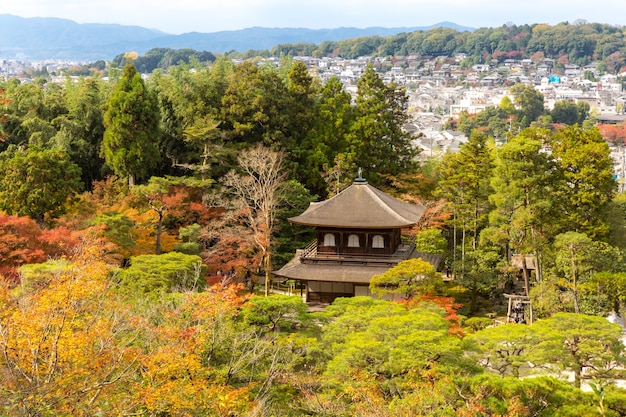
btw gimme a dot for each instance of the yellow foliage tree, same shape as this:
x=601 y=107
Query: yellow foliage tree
x=66 y=346
x=177 y=376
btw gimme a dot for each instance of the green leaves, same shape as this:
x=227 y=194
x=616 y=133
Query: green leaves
x=501 y=349
x=377 y=139
x=152 y=275
x=585 y=179
x=276 y=312
x=530 y=102
x=465 y=184
x=431 y=241
x=407 y=279
x=389 y=342
x=131 y=120
x=576 y=342
x=38 y=183
x=579 y=342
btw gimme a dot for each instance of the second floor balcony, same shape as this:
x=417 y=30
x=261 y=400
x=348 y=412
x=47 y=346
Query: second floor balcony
x=314 y=254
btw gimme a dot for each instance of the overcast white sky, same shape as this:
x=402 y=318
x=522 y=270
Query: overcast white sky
x=181 y=16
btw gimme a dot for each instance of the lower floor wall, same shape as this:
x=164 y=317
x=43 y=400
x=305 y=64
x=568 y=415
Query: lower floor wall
x=326 y=292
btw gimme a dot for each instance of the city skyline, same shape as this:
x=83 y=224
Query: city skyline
x=186 y=16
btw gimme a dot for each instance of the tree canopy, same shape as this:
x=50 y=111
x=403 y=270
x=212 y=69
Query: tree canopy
x=131 y=122
x=38 y=183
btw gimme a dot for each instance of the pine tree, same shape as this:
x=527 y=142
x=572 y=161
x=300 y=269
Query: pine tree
x=586 y=183
x=334 y=116
x=465 y=184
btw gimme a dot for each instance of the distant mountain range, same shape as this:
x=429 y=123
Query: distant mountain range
x=53 y=38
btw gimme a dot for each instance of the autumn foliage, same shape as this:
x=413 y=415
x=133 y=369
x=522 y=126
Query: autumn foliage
x=67 y=348
x=449 y=304
x=615 y=134
x=23 y=241
x=177 y=380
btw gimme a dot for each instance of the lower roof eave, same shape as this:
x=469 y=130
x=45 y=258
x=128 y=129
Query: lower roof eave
x=330 y=273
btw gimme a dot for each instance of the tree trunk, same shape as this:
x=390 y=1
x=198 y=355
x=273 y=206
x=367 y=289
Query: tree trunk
x=577 y=375
x=463 y=252
x=268 y=267
x=160 y=210
x=475 y=231
x=574 y=280
x=525 y=275
x=474 y=294
x=157 y=248
x=454 y=241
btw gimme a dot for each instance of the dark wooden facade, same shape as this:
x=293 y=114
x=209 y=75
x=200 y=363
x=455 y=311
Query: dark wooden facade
x=358 y=237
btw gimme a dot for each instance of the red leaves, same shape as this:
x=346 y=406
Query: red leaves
x=22 y=241
x=615 y=134
x=449 y=304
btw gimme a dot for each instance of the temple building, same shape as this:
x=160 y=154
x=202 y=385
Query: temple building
x=358 y=237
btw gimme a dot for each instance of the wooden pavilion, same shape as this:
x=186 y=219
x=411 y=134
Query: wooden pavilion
x=358 y=236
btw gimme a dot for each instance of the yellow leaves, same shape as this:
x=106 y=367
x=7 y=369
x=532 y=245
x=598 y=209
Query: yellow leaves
x=231 y=401
x=178 y=397
x=176 y=381
x=61 y=341
x=175 y=376
x=542 y=27
x=408 y=278
x=73 y=348
x=144 y=233
x=171 y=363
x=365 y=394
x=145 y=241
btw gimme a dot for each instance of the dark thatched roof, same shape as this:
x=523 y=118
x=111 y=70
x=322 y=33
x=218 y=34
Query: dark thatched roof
x=338 y=271
x=361 y=206
x=330 y=271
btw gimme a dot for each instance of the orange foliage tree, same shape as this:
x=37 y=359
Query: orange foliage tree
x=449 y=305
x=149 y=216
x=163 y=206
x=615 y=134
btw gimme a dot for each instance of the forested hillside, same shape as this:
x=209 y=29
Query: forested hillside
x=141 y=218
x=577 y=43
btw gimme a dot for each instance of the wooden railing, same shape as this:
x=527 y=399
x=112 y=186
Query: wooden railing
x=311 y=253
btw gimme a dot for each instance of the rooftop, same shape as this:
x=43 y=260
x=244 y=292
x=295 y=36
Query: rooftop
x=361 y=206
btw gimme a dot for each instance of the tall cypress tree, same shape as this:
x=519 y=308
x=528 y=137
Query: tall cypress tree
x=377 y=139
x=327 y=137
x=131 y=120
x=82 y=129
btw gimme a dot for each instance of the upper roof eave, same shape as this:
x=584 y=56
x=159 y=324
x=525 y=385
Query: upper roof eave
x=380 y=210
